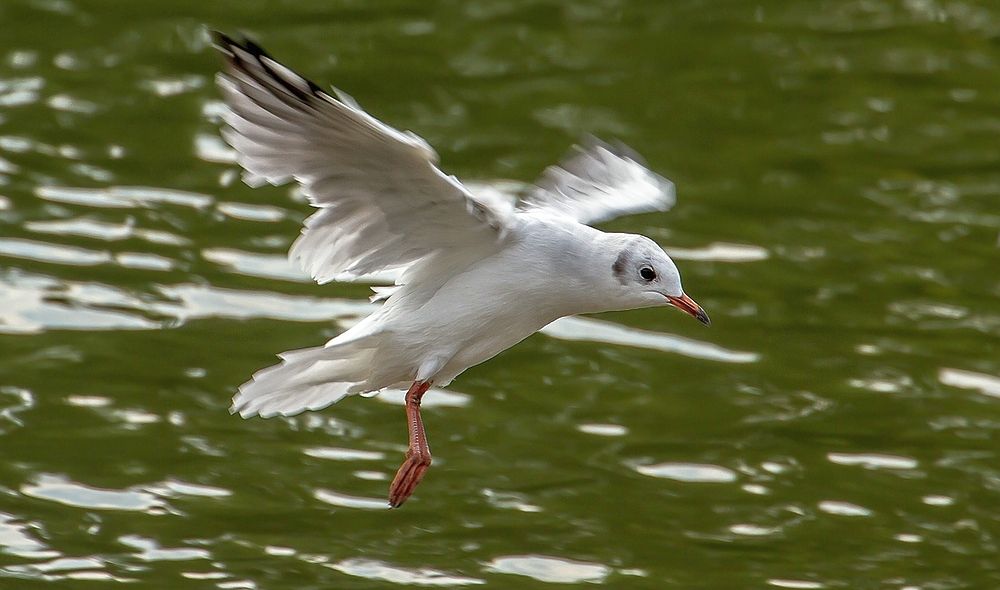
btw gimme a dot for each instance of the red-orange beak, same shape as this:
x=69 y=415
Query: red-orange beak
x=688 y=306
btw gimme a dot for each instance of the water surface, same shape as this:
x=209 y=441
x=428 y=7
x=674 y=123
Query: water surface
x=838 y=173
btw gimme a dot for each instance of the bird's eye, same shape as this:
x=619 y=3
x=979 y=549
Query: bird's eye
x=647 y=273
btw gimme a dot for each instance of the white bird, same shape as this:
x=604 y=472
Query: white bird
x=478 y=274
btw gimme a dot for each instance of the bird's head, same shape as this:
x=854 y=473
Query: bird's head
x=646 y=277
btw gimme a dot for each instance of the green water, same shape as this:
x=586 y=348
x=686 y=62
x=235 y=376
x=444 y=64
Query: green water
x=838 y=173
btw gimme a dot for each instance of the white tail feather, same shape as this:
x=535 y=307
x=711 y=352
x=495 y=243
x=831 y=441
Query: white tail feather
x=306 y=379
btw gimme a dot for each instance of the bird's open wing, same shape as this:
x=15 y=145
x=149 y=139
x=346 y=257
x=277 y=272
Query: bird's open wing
x=598 y=182
x=382 y=201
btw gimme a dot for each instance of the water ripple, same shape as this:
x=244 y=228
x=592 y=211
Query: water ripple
x=269 y=266
x=509 y=501
x=346 y=501
x=123 y=196
x=580 y=328
x=795 y=584
x=174 y=489
x=339 y=454
x=689 y=472
x=25 y=307
x=88 y=228
x=14 y=401
x=873 y=460
x=45 y=252
x=841 y=508
x=721 y=252
x=981 y=382
x=150 y=550
x=435 y=398
x=211 y=148
x=75 y=568
x=71 y=104
x=15 y=539
x=373 y=569
x=16 y=92
x=554 y=570
x=603 y=429
x=249 y=212
x=57 y=488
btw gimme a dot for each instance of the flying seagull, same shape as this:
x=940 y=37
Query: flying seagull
x=477 y=274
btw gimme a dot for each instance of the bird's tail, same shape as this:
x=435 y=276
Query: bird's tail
x=305 y=379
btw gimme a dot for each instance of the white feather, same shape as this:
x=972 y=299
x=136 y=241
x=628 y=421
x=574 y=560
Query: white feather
x=599 y=182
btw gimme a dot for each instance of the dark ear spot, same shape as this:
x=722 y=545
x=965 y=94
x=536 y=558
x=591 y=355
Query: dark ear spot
x=620 y=267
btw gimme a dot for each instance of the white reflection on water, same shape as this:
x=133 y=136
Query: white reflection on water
x=873 y=460
x=13 y=401
x=102 y=230
x=143 y=261
x=582 y=328
x=22 y=58
x=173 y=86
x=88 y=228
x=66 y=568
x=753 y=530
x=270 y=266
x=237 y=585
x=435 y=398
x=71 y=104
x=794 y=584
x=843 y=508
x=20 y=91
x=346 y=501
x=203 y=301
x=378 y=570
x=553 y=570
x=935 y=500
x=250 y=212
x=689 y=472
x=123 y=196
x=981 y=382
x=173 y=488
x=205 y=575
x=211 y=148
x=16 y=540
x=57 y=488
x=721 y=252
x=603 y=429
x=150 y=550
x=45 y=252
x=509 y=501
x=25 y=308
x=339 y=454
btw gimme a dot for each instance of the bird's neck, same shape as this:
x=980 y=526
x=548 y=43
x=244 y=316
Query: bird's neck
x=584 y=276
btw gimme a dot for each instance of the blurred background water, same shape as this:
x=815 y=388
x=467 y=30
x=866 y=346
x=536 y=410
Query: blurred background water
x=838 y=173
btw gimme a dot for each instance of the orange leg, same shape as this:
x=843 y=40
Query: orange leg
x=418 y=456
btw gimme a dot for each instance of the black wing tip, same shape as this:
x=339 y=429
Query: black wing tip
x=220 y=39
x=223 y=41
x=226 y=44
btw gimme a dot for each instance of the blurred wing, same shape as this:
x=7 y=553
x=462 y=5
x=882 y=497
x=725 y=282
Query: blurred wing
x=382 y=201
x=599 y=182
